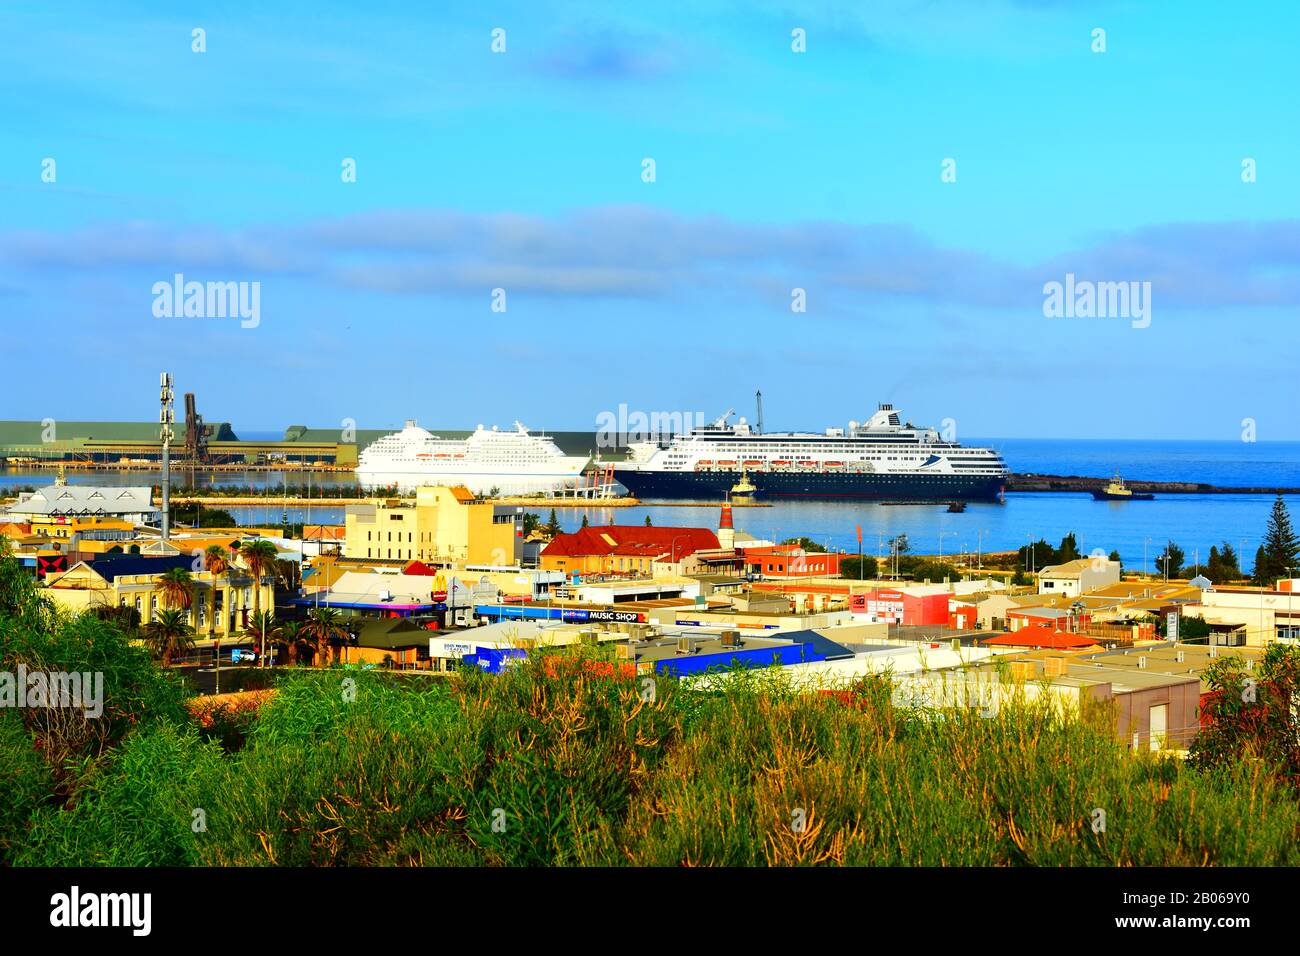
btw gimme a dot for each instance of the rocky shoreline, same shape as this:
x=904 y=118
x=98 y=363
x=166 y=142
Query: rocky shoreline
x=1036 y=482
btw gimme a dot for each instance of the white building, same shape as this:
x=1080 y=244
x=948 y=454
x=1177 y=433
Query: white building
x=1077 y=577
x=86 y=501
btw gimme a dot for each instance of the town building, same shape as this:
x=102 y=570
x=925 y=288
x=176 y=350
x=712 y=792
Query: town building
x=45 y=506
x=904 y=604
x=785 y=561
x=630 y=550
x=222 y=603
x=440 y=525
x=1250 y=616
x=1150 y=709
x=321 y=539
x=1075 y=577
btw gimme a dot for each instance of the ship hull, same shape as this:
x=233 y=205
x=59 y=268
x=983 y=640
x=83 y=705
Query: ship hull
x=772 y=486
x=1107 y=496
x=478 y=482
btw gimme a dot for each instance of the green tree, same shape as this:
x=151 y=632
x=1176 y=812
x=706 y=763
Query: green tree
x=1068 y=551
x=866 y=568
x=807 y=544
x=1037 y=555
x=1252 y=714
x=585 y=522
x=168 y=635
x=124 y=617
x=936 y=571
x=1281 y=546
x=1170 y=560
x=1213 y=563
x=647 y=522
x=1114 y=556
x=552 y=526
x=531 y=522
x=1222 y=564
x=197 y=516
x=1260 y=575
x=1231 y=565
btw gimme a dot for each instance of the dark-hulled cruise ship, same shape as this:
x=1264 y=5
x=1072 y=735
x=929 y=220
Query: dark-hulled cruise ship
x=882 y=459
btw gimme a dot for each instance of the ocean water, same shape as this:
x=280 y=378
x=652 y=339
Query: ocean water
x=1137 y=529
x=1234 y=464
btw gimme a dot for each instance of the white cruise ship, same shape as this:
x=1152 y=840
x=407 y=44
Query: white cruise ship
x=882 y=459
x=505 y=462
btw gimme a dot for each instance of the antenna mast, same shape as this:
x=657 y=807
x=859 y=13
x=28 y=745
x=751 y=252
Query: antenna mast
x=166 y=395
x=759 y=420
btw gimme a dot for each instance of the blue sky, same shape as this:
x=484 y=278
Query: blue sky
x=774 y=170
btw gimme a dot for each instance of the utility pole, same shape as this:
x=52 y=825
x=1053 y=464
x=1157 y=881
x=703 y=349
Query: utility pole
x=166 y=395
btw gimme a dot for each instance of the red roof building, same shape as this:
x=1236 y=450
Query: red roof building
x=623 y=549
x=1042 y=636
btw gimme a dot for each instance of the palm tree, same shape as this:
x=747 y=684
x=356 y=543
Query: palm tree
x=323 y=624
x=216 y=559
x=263 y=630
x=177 y=587
x=289 y=637
x=259 y=556
x=169 y=634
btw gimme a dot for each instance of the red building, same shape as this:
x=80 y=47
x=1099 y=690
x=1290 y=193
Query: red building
x=962 y=616
x=791 y=561
x=897 y=606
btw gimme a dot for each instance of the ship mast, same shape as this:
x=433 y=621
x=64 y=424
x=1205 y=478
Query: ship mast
x=758 y=421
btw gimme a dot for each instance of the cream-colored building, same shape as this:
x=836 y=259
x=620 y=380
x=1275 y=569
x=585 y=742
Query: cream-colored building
x=441 y=525
x=1250 y=617
x=221 y=603
x=1078 y=577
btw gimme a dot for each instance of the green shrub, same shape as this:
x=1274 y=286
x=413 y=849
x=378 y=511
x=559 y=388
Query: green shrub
x=136 y=808
x=28 y=783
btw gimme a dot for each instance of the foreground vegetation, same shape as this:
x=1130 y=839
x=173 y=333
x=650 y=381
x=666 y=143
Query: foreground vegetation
x=559 y=762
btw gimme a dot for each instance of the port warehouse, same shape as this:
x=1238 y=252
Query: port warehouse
x=109 y=442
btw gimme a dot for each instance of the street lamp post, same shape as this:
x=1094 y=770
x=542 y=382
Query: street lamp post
x=673 y=546
x=942 y=534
